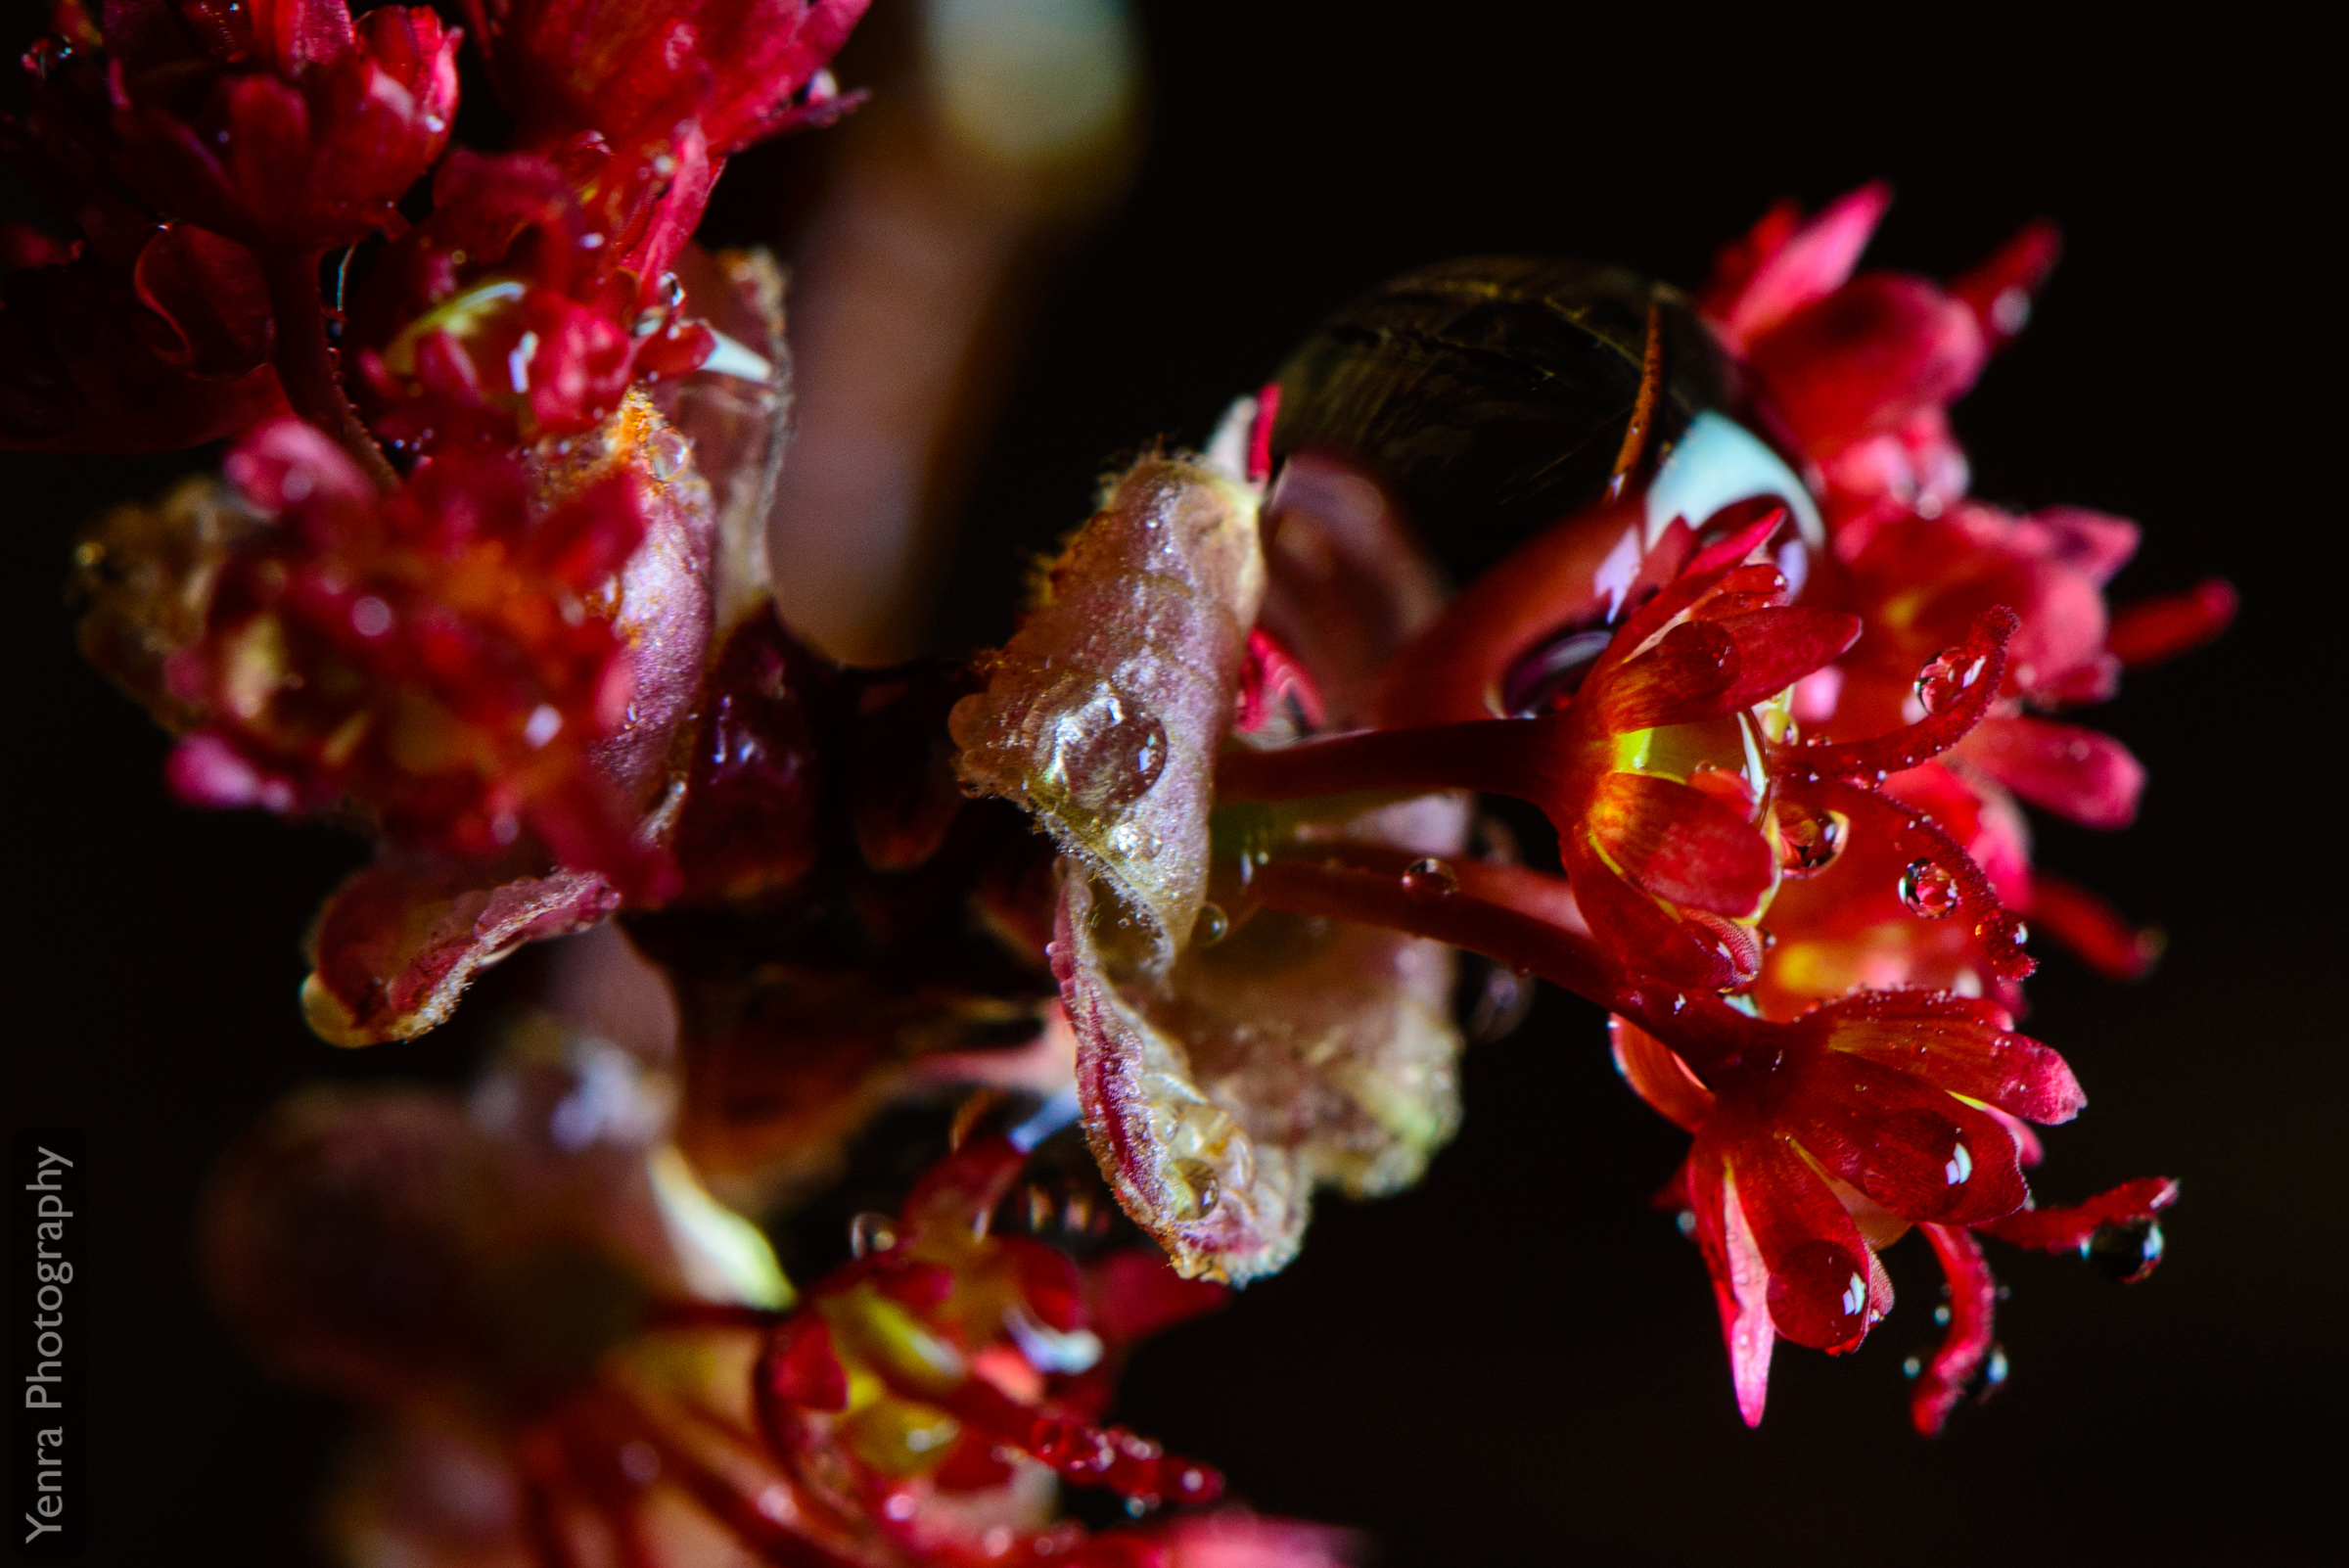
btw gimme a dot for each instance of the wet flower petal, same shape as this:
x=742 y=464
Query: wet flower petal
x=393 y=949
x=1103 y=713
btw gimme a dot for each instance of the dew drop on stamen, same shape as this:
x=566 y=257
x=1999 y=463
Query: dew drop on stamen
x=2127 y=1251
x=870 y=1232
x=1430 y=878
x=1947 y=679
x=1808 y=841
x=1929 y=892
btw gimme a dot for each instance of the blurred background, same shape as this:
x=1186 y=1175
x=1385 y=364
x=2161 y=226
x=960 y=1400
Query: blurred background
x=1012 y=275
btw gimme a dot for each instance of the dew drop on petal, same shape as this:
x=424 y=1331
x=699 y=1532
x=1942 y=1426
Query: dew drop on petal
x=1212 y=925
x=1929 y=891
x=665 y=453
x=870 y=1232
x=1105 y=755
x=1819 y=1295
x=1430 y=878
x=1206 y=1190
x=1808 y=841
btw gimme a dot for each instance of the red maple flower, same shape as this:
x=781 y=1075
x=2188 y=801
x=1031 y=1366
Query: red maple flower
x=129 y=333
x=442 y=657
x=280 y=123
x=1819 y=1142
x=945 y=1357
x=1859 y=372
x=509 y=314
x=741 y=70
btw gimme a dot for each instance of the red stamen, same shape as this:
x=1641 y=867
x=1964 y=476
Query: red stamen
x=1999 y=291
x=1946 y=1379
x=2097 y=935
x=1978 y=666
x=2066 y=1229
x=1950 y=882
x=1260 y=433
x=2150 y=631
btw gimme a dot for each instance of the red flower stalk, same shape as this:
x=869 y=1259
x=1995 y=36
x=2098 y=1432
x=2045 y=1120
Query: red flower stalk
x=444 y=657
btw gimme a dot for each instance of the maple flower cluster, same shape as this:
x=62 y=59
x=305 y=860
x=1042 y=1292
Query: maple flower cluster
x=1166 y=896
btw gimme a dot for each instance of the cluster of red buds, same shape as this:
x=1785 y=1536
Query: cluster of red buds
x=1187 y=864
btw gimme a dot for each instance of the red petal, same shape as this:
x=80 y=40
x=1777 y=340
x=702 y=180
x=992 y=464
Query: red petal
x=287 y=463
x=1704 y=669
x=1658 y=1076
x=1906 y=1144
x=1964 y=1046
x=289 y=34
x=394 y=949
x=1648 y=941
x=1680 y=844
x=2078 y=774
x=1866 y=359
x=1796 y=269
x=1740 y=1283
x=2097 y=935
x=1821 y=1292
x=800 y=1369
x=208 y=292
x=1915 y=839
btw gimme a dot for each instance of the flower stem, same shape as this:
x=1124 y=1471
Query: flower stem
x=1516 y=756
x=1706 y=1030
x=305 y=363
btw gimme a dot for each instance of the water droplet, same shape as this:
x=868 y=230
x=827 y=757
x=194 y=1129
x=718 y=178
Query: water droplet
x=1818 y=1296
x=1106 y=754
x=1989 y=1377
x=1544 y=680
x=1212 y=926
x=1929 y=892
x=1960 y=1166
x=665 y=454
x=1809 y=840
x=1206 y=1190
x=870 y=1232
x=1430 y=878
x=1947 y=679
x=2128 y=1251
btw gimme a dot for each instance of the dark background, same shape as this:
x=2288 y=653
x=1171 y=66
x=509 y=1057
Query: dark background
x=1518 y=1363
